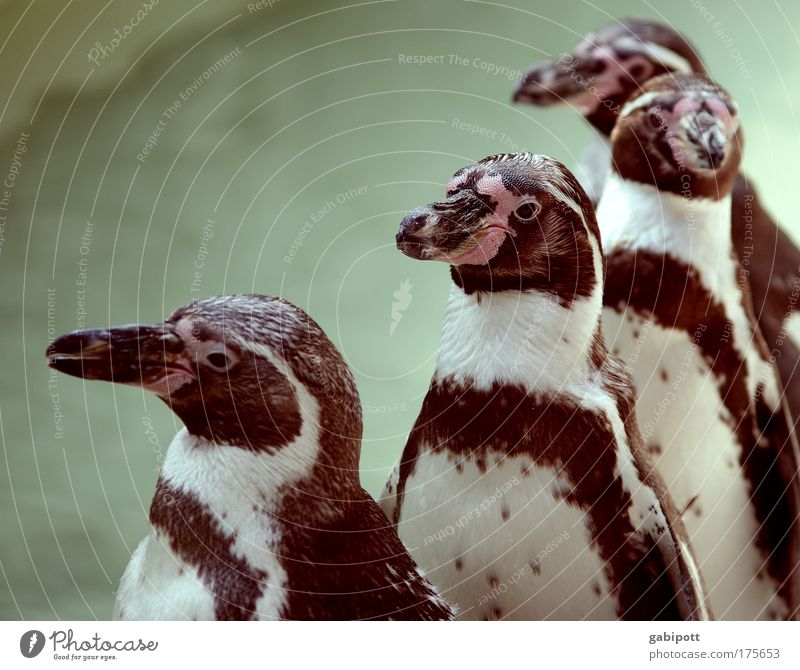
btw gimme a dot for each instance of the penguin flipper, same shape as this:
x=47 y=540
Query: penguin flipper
x=780 y=479
x=684 y=573
x=773 y=265
x=388 y=499
x=358 y=568
x=789 y=466
x=671 y=556
x=670 y=562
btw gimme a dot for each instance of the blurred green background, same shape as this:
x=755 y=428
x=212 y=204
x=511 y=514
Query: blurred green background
x=293 y=116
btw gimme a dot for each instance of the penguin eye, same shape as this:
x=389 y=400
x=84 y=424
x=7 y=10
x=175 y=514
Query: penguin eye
x=637 y=70
x=527 y=211
x=655 y=119
x=597 y=66
x=218 y=360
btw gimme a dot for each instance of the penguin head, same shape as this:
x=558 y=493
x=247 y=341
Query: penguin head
x=229 y=367
x=510 y=222
x=680 y=133
x=607 y=67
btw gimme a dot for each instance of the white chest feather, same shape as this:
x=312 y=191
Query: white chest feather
x=792 y=325
x=686 y=425
x=697 y=232
x=503 y=543
x=680 y=410
x=515 y=338
x=239 y=489
x=158 y=585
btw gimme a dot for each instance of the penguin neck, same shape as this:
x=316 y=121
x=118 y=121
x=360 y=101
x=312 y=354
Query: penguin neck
x=593 y=166
x=232 y=482
x=602 y=121
x=694 y=231
x=521 y=338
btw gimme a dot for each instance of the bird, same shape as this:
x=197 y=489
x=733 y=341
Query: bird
x=678 y=310
x=603 y=71
x=258 y=511
x=523 y=491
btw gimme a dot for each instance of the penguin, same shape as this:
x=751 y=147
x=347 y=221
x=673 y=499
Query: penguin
x=523 y=491
x=597 y=78
x=678 y=310
x=258 y=511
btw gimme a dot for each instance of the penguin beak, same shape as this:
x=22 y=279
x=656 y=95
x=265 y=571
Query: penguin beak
x=458 y=230
x=706 y=129
x=137 y=355
x=565 y=80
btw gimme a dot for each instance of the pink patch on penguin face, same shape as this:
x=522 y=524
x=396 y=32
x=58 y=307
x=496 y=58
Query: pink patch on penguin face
x=169 y=383
x=485 y=250
x=492 y=185
x=456 y=181
x=730 y=122
x=493 y=236
x=612 y=79
x=689 y=106
x=715 y=105
x=617 y=70
x=506 y=201
x=683 y=107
